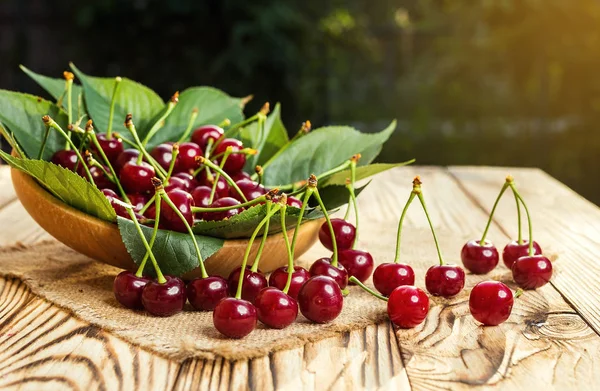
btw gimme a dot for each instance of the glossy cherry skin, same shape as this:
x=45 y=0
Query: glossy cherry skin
x=137 y=178
x=320 y=299
x=111 y=196
x=164 y=299
x=112 y=147
x=294 y=202
x=222 y=189
x=358 y=263
x=184 y=202
x=100 y=179
x=323 y=267
x=389 y=276
x=513 y=251
x=176 y=183
x=128 y=289
x=240 y=175
x=205 y=293
x=66 y=159
x=250 y=189
x=344 y=234
x=279 y=277
x=275 y=308
x=408 y=306
x=253 y=283
x=479 y=259
x=138 y=201
x=491 y=302
x=445 y=280
x=235 y=162
x=163 y=154
x=201 y=195
x=234 y=318
x=128 y=155
x=186 y=160
x=190 y=182
x=203 y=134
x=216 y=216
x=532 y=272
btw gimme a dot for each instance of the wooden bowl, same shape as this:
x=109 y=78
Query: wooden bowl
x=101 y=240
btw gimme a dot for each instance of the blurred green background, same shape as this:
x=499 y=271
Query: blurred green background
x=488 y=82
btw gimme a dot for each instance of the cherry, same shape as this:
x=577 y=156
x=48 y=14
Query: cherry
x=137 y=200
x=275 y=308
x=278 y=279
x=344 y=234
x=184 y=202
x=323 y=267
x=389 y=276
x=445 y=280
x=408 y=306
x=203 y=134
x=112 y=147
x=137 y=178
x=205 y=293
x=513 y=251
x=235 y=162
x=358 y=263
x=128 y=155
x=128 y=289
x=241 y=175
x=164 y=299
x=221 y=202
x=119 y=209
x=186 y=160
x=249 y=188
x=294 y=202
x=163 y=154
x=66 y=159
x=320 y=299
x=190 y=181
x=532 y=272
x=222 y=189
x=234 y=318
x=491 y=302
x=479 y=258
x=253 y=283
x=176 y=183
x=201 y=195
x=100 y=179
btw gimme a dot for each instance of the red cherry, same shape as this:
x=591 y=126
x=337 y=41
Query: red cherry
x=235 y=162
x=112 y=147
x=111 y=196
x=294 y=202
x=186 y=160
x=320 y=299
x=241 y=175
x=128 y=289
x=278 y=279
x=205 y=293
x=491 y=302
x=66 y=159
x=190 y=182
x=128 y=155
x=137 y=178
x=163 y=154
x=323 y=267
x=176 y=183
x=205 y=133
x=408 y=306
x=201 y=195
x=275 y=308
x=389 y=276
x=249 y=188
x=221 y=202
x=445 y=280
x=138 y=201
x=100 y=179
x=234 y=318
x=164 y=299
x=479 y=258
x=358 y=263
x=253 y=283
x=184 y=202
x=344 y=234
x=532 y=272
x=222 y=186
x=513 y=251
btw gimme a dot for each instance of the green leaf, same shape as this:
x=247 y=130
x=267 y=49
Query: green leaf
x=133 y=97
x=66 y=185
x=321 y=150
x=273 y=139
x=213 y=107
x=22 y=115
x=174 y=251
x=54 y=86
x=363 y=172
x=334 y=196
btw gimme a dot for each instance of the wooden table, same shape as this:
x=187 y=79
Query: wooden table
x=550 y=342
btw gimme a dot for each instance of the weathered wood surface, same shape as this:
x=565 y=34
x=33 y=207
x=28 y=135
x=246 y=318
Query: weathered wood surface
x=546 y=344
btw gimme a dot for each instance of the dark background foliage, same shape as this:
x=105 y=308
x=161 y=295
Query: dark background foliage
x=490 y=82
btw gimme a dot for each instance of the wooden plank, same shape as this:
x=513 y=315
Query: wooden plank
x=18 y=226
x=7 y=192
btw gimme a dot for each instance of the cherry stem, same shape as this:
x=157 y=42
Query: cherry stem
x=168 y=201
x=367 y=289
x=140 y=271
x=274 y=210
x=437 y=245
x=229 y=132
x=334 y=258
x=113 y=102
x=218 y=169
x=286 y=239
x=161 y=120
x=410 y=200
x=174 y=154
x=209 y=146
x=147 y=205
x=489 y=222
x=159 y=276
x=189 y=127
x=320 y=177
x=69 y=86
x=516 y=192
x=350 y=187
x=257 y=200
x=307 y=195
x=44 y=141
x=94 y=139
x=518 y=293
x=218 y=175
x=260 y=173
x=157 y=168
x=520 y=236
x=261 y=246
